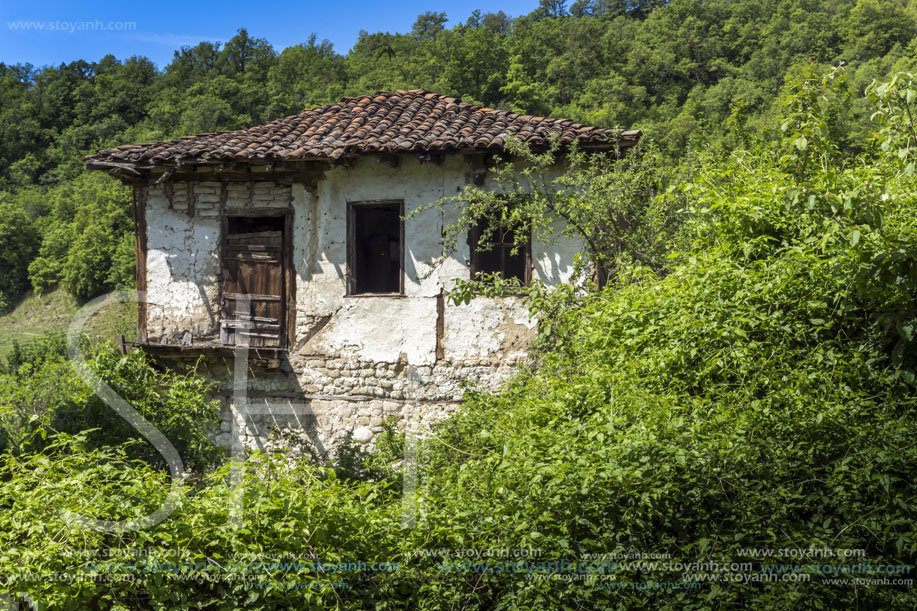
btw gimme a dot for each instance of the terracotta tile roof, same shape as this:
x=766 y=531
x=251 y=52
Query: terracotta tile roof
x=385 y=122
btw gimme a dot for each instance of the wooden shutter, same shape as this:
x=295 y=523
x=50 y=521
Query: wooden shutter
x=253 y=268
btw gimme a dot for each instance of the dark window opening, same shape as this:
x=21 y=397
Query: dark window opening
x=237 y=225
x=375 y=248
x=494 y=253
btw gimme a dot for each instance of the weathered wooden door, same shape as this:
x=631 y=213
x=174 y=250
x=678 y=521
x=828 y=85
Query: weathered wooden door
x=253 y=276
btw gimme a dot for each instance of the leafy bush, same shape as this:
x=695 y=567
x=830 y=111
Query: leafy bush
x=300 y=524
x=619 y=207
x=44 y=393
x=51 y=346
x=761 y=395
x=78 y=234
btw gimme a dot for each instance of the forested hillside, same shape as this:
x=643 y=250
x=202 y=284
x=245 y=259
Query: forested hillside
x=728 y=423
x=685 y=72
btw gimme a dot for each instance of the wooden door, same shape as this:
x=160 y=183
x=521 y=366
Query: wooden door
x=253 y=276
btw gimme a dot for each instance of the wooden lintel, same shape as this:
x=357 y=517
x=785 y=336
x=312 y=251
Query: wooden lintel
x=252 y=212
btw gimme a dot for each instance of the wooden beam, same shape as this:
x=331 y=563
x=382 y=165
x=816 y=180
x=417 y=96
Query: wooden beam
x=191 y=201
x=440 y=325
x=141 y=248
x=289 y=282
x=167 y=188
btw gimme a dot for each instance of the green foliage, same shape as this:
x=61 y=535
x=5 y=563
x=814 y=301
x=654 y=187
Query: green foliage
x=18 y=244
x=622 y=209
x=488 y=285
x=40 y=393
x=87 y=237
x=294 y=517
x=760 y=395
x=49 y=347
x=895 y=103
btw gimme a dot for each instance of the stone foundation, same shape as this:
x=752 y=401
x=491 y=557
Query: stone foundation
x=325 y=401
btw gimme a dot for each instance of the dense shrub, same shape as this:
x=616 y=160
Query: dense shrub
x=761 y=395
x=299 y=516
x=43 y=393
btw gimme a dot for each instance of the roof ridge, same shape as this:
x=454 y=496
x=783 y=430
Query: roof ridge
x=424 y=93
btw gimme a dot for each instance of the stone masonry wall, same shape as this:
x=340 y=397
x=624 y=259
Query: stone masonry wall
x=329 y=400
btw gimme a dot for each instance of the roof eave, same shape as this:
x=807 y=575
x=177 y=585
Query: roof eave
x=627 y=139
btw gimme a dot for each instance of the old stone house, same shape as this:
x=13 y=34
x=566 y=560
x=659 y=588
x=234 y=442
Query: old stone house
x=292 y=238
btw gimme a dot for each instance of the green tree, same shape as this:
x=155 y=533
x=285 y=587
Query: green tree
x=429 y=25
x=18 y=245
x=306 y=75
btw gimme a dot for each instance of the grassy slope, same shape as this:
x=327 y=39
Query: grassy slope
x=53 y=311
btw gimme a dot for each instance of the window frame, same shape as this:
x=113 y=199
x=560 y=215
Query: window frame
x=474 y=237
x=350 y=280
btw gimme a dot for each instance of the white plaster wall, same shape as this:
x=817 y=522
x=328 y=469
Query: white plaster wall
x=183 y=268
x=383 y=329
x=388 y=328
x=368 y=327
x=552 y=259
x=487 y=328
x=323 y=222
x=183 y=271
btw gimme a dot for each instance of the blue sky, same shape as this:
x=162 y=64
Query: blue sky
x=89 y=30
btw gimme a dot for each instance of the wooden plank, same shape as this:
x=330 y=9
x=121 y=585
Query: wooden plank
x=258 y=257
x=401 y=254
x=253 y=248
x=246 y=212
x=227 y=335
x=191 y=201
x=247 y=317
x=253 y=334
x=289 y=281
x=252 y=297
x=257 y=234
x=440 y=325
x=141 y=251
x=258 y=326
x=349 y=282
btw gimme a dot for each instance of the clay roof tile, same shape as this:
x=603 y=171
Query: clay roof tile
x=404 y=121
